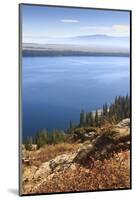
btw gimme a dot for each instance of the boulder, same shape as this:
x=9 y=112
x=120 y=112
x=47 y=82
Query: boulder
x=84 y=153
x=59 y=163
x=43 y=171
x=124 y=123
x=62 y=162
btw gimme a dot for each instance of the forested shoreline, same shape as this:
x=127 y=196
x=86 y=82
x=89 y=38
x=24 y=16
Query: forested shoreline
x=113 y=113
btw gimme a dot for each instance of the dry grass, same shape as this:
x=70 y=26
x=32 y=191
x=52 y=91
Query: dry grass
x=113 y=173
x=110 y=173
x=49 y=152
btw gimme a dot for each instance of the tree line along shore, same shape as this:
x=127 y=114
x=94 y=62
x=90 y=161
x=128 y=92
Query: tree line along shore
x=114 y=113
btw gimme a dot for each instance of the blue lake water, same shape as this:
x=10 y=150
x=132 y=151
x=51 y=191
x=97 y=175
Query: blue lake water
x=55 y=89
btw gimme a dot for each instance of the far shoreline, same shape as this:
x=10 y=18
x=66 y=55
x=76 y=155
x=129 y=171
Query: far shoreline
x=43 y=54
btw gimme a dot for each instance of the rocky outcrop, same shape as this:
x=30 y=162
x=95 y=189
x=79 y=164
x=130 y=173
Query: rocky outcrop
x=96 y=145
x=104 y=144
x=60 y=163
x=107 y=142
x=84 y=153
x=83 y=134
x=124 y=123
x=36 y=175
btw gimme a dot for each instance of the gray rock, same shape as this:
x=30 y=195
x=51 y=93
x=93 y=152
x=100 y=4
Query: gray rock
x=59 y=163
x=43 y=171
x=124 y=123
x=85 y=136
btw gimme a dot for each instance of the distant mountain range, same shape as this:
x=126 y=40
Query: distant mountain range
x=102 y=41
x=98 y=36
x=98 y=45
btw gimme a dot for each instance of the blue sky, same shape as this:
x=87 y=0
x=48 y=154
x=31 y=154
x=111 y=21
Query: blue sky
x=41 y=24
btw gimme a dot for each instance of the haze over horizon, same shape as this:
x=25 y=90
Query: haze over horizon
x=61 y=25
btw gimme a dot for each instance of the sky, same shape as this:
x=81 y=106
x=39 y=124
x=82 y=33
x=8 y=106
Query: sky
x=42 y=24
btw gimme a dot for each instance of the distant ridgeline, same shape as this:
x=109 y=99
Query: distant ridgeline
x=39 y=50
x=118 y=110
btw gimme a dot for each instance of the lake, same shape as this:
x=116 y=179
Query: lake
x=56 y=89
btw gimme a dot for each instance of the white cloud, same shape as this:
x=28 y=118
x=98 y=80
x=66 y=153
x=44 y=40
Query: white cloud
x=69 y=20
x=121 y=28
x=115 y=30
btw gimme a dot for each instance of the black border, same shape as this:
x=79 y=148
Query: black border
x=20 y=102
x=20 y=95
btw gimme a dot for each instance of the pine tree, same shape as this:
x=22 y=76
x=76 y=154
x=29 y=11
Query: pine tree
x=82 y=118
x=87 y=118
x=96 y=118
x=91 y=120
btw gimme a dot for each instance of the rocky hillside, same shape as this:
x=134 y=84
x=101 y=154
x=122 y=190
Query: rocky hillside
x=95 y=158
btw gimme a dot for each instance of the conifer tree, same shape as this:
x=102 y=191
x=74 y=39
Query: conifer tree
x=82 y=118
x=96 y=118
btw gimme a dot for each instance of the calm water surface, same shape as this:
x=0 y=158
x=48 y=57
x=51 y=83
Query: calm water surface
x=55 y=89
